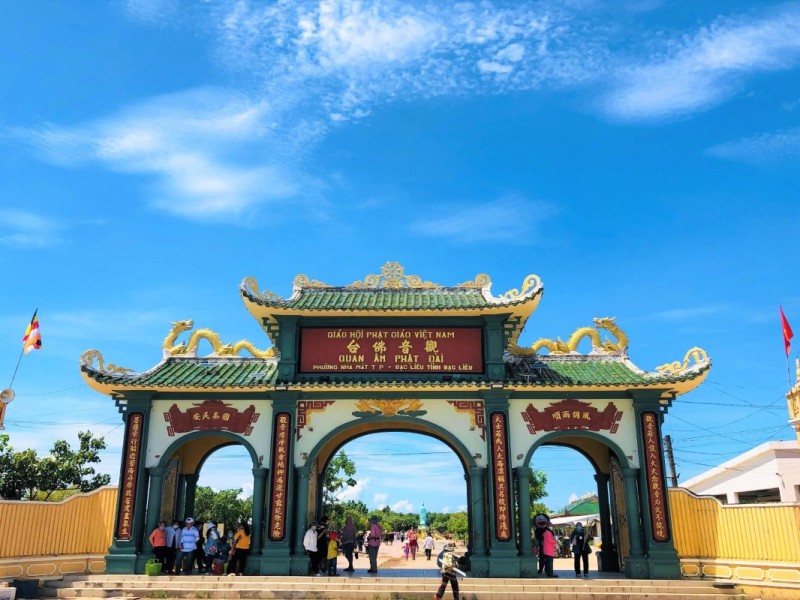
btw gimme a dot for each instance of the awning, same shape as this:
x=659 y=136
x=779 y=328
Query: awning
x=572 y=519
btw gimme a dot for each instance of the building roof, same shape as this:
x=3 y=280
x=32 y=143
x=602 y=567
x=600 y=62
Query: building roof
x=744 y=461
x=586 y=373
x=391 y=293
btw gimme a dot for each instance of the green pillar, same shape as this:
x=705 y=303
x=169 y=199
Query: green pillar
x=504 y=560
x=527 y=560
x=180 y=495
x=191 y=492
x=259 y=483
x=123 y=552
x=636 y=565
x=153 y=506
x=608 y=553
x=299 y=560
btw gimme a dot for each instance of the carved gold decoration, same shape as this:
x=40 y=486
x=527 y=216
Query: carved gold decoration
x=302 y=281
x=251 y=285
x=794 y=407
x=88 y=358
x=558 y=346
x=482 y=280
x=392 y=276
x=390 y=408
x=213 y=338
x=698 y=355
x=531 y=282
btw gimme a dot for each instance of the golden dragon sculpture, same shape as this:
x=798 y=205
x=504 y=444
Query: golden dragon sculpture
x=220 y=349
x=698 y=355
x=558 y=346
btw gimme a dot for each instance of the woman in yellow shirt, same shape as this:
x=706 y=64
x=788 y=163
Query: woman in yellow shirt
x=240 y=550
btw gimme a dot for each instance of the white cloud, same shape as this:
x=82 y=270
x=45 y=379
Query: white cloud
x=445 y=509
x=353 y=492
x=403 y=506
x=510 y=219
x=379 y=500
x=27 y=230
x=764 y=147
x=462 y=508
x=689 y=313
x=705 y=69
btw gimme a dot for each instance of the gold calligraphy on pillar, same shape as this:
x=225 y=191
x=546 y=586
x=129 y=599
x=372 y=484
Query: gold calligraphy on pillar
x=500 y=471
x=655 y=477
x=280 y=477
x=130 y=468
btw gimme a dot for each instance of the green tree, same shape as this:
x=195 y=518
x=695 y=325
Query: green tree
x=23 y=475
x=338 y=476
x=457 y=525
x=537 y=489
x=225 y=506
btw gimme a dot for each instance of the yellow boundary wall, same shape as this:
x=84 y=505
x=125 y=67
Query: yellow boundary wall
x=752 y=544
x=80 y=525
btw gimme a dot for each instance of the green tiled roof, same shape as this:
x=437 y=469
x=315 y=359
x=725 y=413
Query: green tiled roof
x=239 y=373
x=333 y=298
x=197 y=373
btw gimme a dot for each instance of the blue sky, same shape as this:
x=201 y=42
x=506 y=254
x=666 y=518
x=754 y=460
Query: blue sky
x=640 y=156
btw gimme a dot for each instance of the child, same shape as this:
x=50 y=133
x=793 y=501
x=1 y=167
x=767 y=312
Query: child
x=406 y=550
x=448 y=563
x=333 y=550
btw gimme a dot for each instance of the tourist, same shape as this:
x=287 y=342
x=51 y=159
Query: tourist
x=373 y=543
x=158 y=540
x=360 y=541
x=173 y=545
x=199 y=556
x=212 y=545
x=540 y=521
x=310 y=546
x=429 y=545
x=333 y=552
x=405 y=550
x=447 y=561
x=189 y=537
x=411 y=538
x=241 y=548
x=548 y=549
x=580 y=549
x=322 y=545
x=349 y=542
x=225 y=546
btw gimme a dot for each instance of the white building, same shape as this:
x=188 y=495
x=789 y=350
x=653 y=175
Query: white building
x=767 y=473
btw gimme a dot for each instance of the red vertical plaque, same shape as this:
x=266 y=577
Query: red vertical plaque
x=655 y=477
x=500 y=471
x=280 y=476
x=130 y=470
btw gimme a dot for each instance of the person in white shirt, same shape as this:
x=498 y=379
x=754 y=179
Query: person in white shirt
x=428 y=545
x=189 y=537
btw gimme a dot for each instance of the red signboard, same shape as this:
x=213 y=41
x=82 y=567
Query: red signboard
x=130 y=468
x=354 y=350
x=502 y=483
x=211 y=415
x=280 y=477
x=572 y=414
x=655 y=477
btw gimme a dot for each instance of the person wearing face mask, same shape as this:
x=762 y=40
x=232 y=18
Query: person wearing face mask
x=158 y=540
x=173 y=543
x=580 y=549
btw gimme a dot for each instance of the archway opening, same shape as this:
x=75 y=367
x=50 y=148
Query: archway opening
x=225 y=488
x=413 y=481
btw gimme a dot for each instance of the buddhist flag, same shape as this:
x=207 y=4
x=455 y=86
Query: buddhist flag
x=788 y=334
x=32 y=340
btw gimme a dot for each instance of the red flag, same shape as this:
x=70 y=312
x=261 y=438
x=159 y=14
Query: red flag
x=788 y=334
x=32 y=340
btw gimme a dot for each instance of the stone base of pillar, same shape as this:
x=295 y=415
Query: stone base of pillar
x=121 y=561
x=273 y=561
x=528 y=566
x=607 y=560
x=141 y=561
x=664 y=563
x=504 y=561
x=298 y=564
x=479 y=566
x=637 y=568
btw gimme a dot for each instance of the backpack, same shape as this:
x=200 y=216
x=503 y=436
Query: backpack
x=448 y=562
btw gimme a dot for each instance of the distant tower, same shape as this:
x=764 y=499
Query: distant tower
x=423 y=516
x=793 y=398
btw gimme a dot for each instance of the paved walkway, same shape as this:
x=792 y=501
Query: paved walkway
x=391 y=563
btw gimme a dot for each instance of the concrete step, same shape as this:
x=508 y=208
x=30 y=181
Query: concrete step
x=378 y=588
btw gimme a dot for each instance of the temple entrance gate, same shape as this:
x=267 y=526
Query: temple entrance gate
x=394 y=352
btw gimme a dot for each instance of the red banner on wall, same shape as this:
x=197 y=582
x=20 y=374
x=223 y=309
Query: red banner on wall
x=502 y=482
x=354 y=350
x=130 y=469
x=280 y=477
x=211 y=415
x=655 y=477
x=572 y=414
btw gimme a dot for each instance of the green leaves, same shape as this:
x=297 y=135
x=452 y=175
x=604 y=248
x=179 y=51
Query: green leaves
x=23 y=475
x=225 y=506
